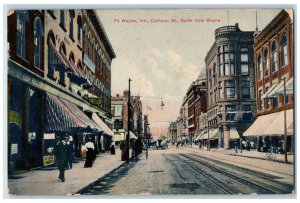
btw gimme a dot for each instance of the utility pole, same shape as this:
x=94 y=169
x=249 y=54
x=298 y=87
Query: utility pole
x=284 y=110
x=128 y=123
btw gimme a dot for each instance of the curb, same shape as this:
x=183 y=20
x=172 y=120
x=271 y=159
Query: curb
x=100 y=179
x=261 y=158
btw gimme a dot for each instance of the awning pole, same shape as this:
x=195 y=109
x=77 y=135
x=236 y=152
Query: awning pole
x=284 y=107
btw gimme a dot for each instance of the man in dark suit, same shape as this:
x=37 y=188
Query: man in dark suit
x=62 y=153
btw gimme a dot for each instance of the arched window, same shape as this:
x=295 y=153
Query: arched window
x=71 y=58
x=79 y=27
x=274 y=57
x=72 y=15
x=259 y=67
x=79 y=64
x=38 y=34
x=284 y=51
x=62 y=18
x=62 y=49
x=22 y=18
x=266 y=62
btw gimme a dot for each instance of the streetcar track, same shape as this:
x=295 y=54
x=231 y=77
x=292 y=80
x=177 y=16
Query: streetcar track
x=235 y=177
x=210 y=180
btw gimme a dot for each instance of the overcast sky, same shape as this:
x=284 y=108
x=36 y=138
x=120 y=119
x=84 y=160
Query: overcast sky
x=163 y=58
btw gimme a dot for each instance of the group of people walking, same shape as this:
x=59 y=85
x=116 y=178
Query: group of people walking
x=64 y=153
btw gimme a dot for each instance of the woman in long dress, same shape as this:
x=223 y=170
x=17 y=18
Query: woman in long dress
x=89 y=146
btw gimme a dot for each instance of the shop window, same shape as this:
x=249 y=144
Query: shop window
x=275 y=102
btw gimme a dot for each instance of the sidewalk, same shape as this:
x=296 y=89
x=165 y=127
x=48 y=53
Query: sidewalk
x=44 y=181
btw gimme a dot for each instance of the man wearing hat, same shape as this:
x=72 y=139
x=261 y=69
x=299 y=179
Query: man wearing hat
x=62 y=153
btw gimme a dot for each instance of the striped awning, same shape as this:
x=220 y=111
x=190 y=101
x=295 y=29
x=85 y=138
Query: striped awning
x=64 y=116
x=104 y=127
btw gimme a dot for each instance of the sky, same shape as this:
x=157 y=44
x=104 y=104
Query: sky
x=163 y=52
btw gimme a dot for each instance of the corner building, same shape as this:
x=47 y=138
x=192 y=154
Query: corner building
x=231 y=85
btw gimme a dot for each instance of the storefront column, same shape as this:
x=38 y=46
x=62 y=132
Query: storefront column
x=25 y=125
x=226 y=137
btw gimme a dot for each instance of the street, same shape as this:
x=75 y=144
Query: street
x=189 y=171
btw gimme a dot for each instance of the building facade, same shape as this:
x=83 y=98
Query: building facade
x=45 y=67
x=231 y=83
x=274 y=67
x=172 y=132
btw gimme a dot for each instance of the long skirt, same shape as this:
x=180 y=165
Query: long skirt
x=89 y=158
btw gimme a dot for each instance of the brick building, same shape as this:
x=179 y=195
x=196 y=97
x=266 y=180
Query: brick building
x=274 y=64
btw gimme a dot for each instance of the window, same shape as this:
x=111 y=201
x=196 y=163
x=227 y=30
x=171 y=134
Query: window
x=244 y=57
x=215 y=75
x=260 y=100
x=227 y=71
x=225 y=48
x=229 y=89
x=22 y=18
x=79 y=27
x=275 y=102
x=38 y=33
x=274 y=58
x=221 y=71
x=226 y=57
x=284 y=51
x=260 y=68
x=232 y=69
x=62 y=18
x=267 y=99
x=220 y=58
x=230 y=112
x=247 y=113
x=219 y=49
x=266 y=62
x=231 y=56
x=244 y=69
x=244 y=49
x=221 y=94
x=71 y=23
x=245 y=89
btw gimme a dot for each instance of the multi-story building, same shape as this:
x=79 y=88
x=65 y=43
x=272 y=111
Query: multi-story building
x=274 y=66
x=172 y=132
x=230 y=82
x=196 y=95
x=45 y=68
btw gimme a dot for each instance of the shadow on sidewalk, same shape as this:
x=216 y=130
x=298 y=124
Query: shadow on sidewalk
x=105 y=183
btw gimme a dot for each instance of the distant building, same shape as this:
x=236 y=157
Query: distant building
x=274 y=62
x=231 y=84
x=172 y=132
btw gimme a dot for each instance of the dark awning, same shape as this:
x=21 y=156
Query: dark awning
x=64 y=116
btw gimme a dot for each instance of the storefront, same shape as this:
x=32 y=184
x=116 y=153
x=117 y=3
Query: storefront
x=269 y=131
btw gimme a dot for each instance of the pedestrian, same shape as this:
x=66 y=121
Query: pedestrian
x=252 y=145
x=178 y=143
x=71 y=153
x=112 y=148
x=61 y=151
x=89 y=146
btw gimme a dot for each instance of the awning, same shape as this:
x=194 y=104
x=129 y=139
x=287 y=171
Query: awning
x=119 y=136
x=266 y=95
x=103 y=126
x=272 y=125
x=64 y=116
x=279 y=90
x=233 y=133
x=199 y=136
x=213 y=134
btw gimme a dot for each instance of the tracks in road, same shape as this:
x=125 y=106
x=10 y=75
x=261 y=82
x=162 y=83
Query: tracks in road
x=241 y=179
